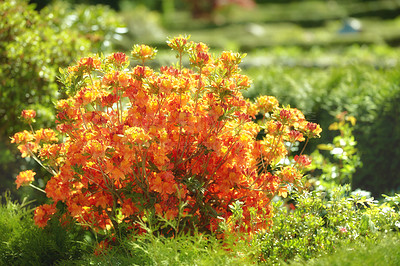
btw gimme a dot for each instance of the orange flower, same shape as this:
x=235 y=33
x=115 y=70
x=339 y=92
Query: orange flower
x=28 y=115
x=103 y=200
x=312 y=130
x=57 y=188
x=45 y=135
x=289 y=174
x=143 y=52
x=178 y=43
x=87 y=64
x=303 y=160
x=118 y=59
x=266 y=104
x=200 y=47
x=25 y=178
x=75 y=209
x=22 y=137
x=43 y=214
x=50 y=151
x=171 y=214
x=128 y=208
x=27 y=149
x=295 y=135
x=102 y=248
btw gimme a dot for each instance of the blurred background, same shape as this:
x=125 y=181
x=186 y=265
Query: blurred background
x=322 y=57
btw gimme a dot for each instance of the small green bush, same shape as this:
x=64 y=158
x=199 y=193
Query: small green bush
x=99 y=24
x=23 y=243
x=319 y=224
x=383 y=251
x=335 y=163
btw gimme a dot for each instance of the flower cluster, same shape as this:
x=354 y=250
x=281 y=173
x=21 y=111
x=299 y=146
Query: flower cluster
x=180 y=143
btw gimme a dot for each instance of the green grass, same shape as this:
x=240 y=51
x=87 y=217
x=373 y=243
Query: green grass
x=384 y=251
x=201 y=251
x=182 y=250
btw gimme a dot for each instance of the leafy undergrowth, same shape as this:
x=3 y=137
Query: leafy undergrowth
x=337 y=229
x=23 y=243
x=384 y=251
x=182 y=250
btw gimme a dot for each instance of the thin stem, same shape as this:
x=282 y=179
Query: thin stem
x=83 y=119
x=180 y=61
x=106 y=179
x=198 y=91
x=120 y=106
x=91 y=80
x=305 y=144
x=37 y=188
x=30 y=125
x=48 y=169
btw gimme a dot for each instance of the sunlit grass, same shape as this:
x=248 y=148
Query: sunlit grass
x=384 y=251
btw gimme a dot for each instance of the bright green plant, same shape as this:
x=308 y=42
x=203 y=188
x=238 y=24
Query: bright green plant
x=340 y=164
x=102 y=26
x=151 y=248
x=376 y=141
x=315 y=225
x=393 y=201
x=381 y=251
x=23 y=243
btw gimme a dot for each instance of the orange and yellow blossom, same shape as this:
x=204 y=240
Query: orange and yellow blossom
x=143 y=52
x=134 y=140
x=88 y=63
x=43 y=214
x=22 y=137
x=28 y=115
x=25 y=178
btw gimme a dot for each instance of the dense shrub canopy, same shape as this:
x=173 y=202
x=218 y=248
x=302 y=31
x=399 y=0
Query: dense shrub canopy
x=180 y=143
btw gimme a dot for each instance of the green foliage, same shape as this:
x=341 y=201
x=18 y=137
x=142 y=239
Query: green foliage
x=338 y=166
x=31 y=52
x=317 y=225
x=150 y=248
x=383 y=251
x=33 y=46
x=377 y=141
x=102 y=26
x=393 y=201
x=144 y=26
x=22 y=243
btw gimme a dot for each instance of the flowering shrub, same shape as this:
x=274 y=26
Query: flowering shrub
x=179 y=143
